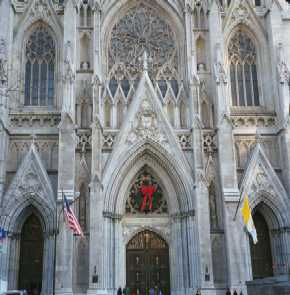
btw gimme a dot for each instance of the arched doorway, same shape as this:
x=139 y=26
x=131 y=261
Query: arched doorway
x=31 y=256
x=147 y=263
x=262 y=265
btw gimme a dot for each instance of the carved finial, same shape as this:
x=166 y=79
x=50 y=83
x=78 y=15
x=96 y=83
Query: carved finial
x=33 y=138
x=145 y=59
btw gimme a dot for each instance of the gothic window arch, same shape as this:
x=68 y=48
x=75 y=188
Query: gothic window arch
x=242 y=57
x=40 y=59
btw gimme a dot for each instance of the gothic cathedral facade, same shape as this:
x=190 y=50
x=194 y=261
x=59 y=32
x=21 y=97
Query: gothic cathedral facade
x=155 y=118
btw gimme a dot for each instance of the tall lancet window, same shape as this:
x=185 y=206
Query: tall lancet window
x=39 y=68
x=243 y=70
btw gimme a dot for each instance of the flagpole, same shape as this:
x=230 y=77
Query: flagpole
x=56 y=232
x=234 y=219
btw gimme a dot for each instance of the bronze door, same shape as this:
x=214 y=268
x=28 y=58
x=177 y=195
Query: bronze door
x=148 y=264
x=31 y=255
x=261 y=252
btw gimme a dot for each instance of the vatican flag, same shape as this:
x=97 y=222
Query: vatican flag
x=248 y=220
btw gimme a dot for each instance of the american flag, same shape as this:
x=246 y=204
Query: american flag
x=71 y=219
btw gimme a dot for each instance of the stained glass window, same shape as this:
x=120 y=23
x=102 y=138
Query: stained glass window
x=146 y=196
x=243 y=70
x=142 y=29
x=39 y=68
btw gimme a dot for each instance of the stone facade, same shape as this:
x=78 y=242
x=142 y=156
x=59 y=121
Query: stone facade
x=196 y=91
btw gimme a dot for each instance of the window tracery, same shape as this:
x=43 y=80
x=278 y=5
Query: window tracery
x=142 y=29
x=39 y=68
x=243 y=70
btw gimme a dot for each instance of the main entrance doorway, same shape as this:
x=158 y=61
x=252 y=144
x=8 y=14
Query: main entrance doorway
x=31 y=256
x=147 y=263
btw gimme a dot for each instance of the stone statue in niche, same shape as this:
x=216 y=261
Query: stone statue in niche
x=3 y=63
x=220 y=73
x=69 y=78
x=213 y=207
x=283 y=71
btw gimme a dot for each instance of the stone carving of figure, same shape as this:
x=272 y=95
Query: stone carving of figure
x=69 y=78
x=220 y=73
x=283 y=71
x=213 y=207
x=3 y=63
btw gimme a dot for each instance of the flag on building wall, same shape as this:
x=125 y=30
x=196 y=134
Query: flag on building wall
x=248 y=220
x=71 y=219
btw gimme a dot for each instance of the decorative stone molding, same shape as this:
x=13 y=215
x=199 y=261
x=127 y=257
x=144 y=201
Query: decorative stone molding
x=112 y=216
x=185 y=140
x=182 y=215
x=19 y=6
x=84 y=139
x=31 y=186
x=255 y=120
x=240 y=13
x=39 y=9
x=209 y=142
x=260 y=181
x=32 y=119
x=262 y=184
x=131 y=228
x=109 y=140
x=146 y=125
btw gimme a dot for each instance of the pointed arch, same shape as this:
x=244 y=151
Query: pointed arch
x=176 y=184
x=25 y=27
x=169 y=13
x=262 y=184
x=242 y=57
x=39 y=63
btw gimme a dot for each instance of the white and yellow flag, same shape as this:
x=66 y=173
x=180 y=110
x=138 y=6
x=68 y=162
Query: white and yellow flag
x=248 y=220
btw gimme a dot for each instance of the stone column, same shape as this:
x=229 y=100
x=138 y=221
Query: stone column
x=203 y=273
x=97 y=233
x=236 y=240
x=206 y=265
x=6 y=19
x=69 y=68
x=66 y=185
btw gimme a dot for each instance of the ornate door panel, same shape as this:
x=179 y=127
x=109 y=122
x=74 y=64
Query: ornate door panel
x=148 y=263
x=31 y=256
x=262 y=266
